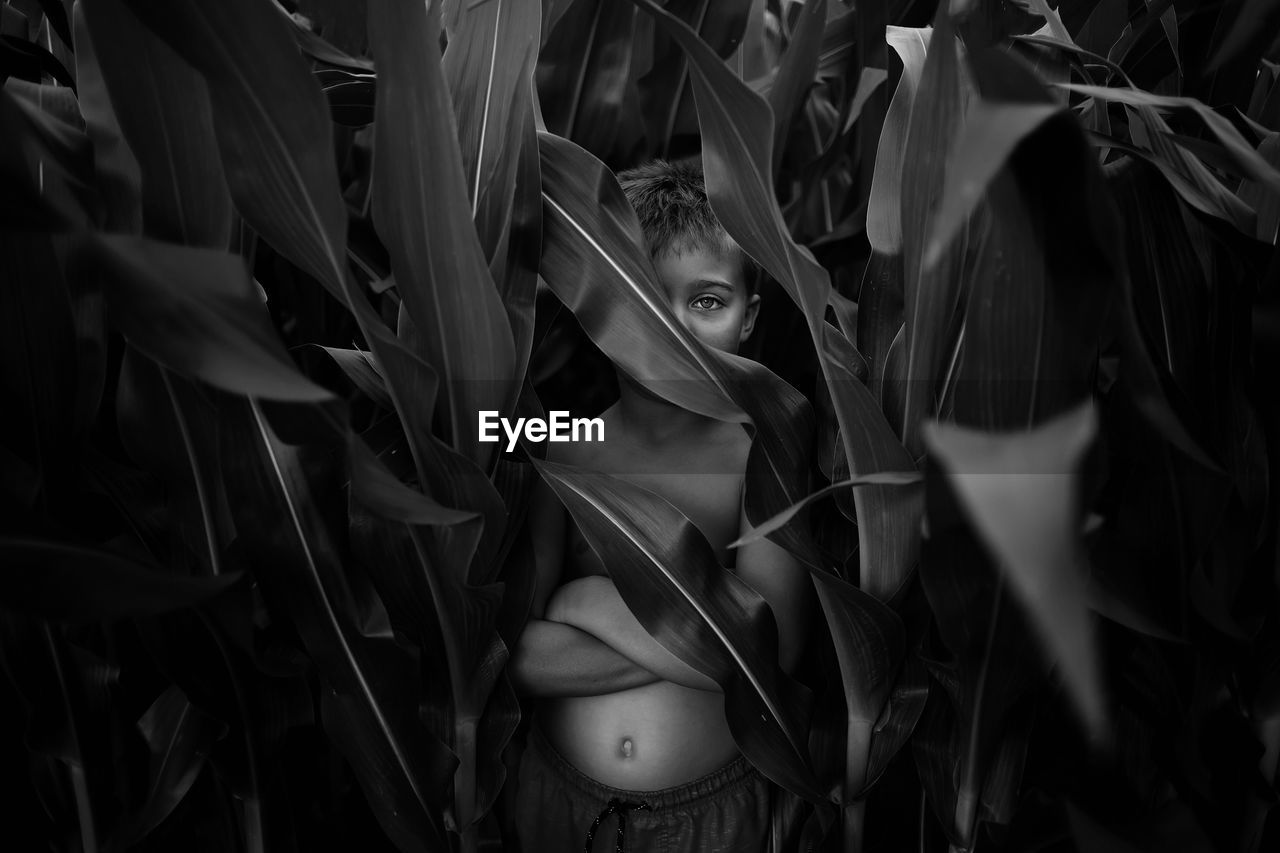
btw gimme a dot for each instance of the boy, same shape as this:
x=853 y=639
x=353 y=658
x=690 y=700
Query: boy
x=629 y=748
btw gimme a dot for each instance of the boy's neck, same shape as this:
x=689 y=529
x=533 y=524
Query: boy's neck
x=650 y=418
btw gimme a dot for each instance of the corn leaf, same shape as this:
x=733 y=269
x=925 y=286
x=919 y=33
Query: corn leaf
x=193 y=310
x=421 y=212
x=1021 y=492
x=870 y=644
x=163 y=108
x=1265 y=204
x=369 y=684
x=960 y=732
x=896 y=478
x=584 y=70
x=179 y=736
x=167 y=425
x=884 y=206
x=358 y=366
x=422 y=576
x=665 y=95
x=795 y=74
x=1245 y=156
x=930 y=292
x=991 y=132
x=668 y=575
x=270 y=123
x=489 y=66
x=117 y=168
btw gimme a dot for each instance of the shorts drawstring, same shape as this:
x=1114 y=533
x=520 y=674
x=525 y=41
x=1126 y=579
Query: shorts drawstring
x=620 y=808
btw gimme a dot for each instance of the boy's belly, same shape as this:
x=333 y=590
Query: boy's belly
x=644 y=739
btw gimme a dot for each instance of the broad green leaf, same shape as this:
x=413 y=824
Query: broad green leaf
x=884 y=207
x=991 y=132
x=274 y=138
x=930 y=292
x=1247 y=30
x=895 y=478
x=179 y=736
x=78 y=583
x=270 y=122
x=1185 y=173
x=1247 y=159
x=115 y=163
x=40 y=663
x=668 y=575
x=584 y=70
x=795 y=73
x=665 y=95
x=489 y=67
x=167 y=425
x=377 y=488
x=1021 y=492
x=421 y=574
x=360 y=368
x=1257 y=196
x=1052 y=20
x=1104 y=26
x=960 y=732
x=39 y=376
x=46 y=170
x=193 y=310
x=870 y=644
x=421 y=211
x=369 y=684
x=163 y=108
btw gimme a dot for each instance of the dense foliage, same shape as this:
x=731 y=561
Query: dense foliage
x=1012 y=398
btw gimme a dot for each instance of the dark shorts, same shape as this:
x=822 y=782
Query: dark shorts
x=733 y=810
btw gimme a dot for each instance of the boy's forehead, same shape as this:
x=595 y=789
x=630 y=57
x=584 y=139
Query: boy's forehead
x=699 y=262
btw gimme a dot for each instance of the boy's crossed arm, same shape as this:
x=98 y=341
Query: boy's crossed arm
x=552 y=658
x=594 y=605
x=584 y=640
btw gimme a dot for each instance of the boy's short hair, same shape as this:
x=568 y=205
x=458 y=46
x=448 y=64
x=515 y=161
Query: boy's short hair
x=670 y=198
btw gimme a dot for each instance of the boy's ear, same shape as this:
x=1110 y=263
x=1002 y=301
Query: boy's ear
x=749 y=319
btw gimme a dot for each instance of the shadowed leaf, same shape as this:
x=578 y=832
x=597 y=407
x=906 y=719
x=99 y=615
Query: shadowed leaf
x=179 y=736
x=369 y=683
x=421 y=211
x=1021 y=492
x=163 y=108
x=194 y=311
x=60 y=581
x=893 y=478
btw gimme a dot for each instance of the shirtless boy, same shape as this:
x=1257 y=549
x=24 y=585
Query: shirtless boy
x=627 y=740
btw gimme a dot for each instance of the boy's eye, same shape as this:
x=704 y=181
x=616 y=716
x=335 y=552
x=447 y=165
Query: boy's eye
x=706 y=303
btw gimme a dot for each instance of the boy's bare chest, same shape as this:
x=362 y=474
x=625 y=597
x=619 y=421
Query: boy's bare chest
x=709 y=500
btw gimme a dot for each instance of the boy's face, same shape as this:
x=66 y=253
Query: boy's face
x=706 y=292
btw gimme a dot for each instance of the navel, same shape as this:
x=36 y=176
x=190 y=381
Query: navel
x=626 y=748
